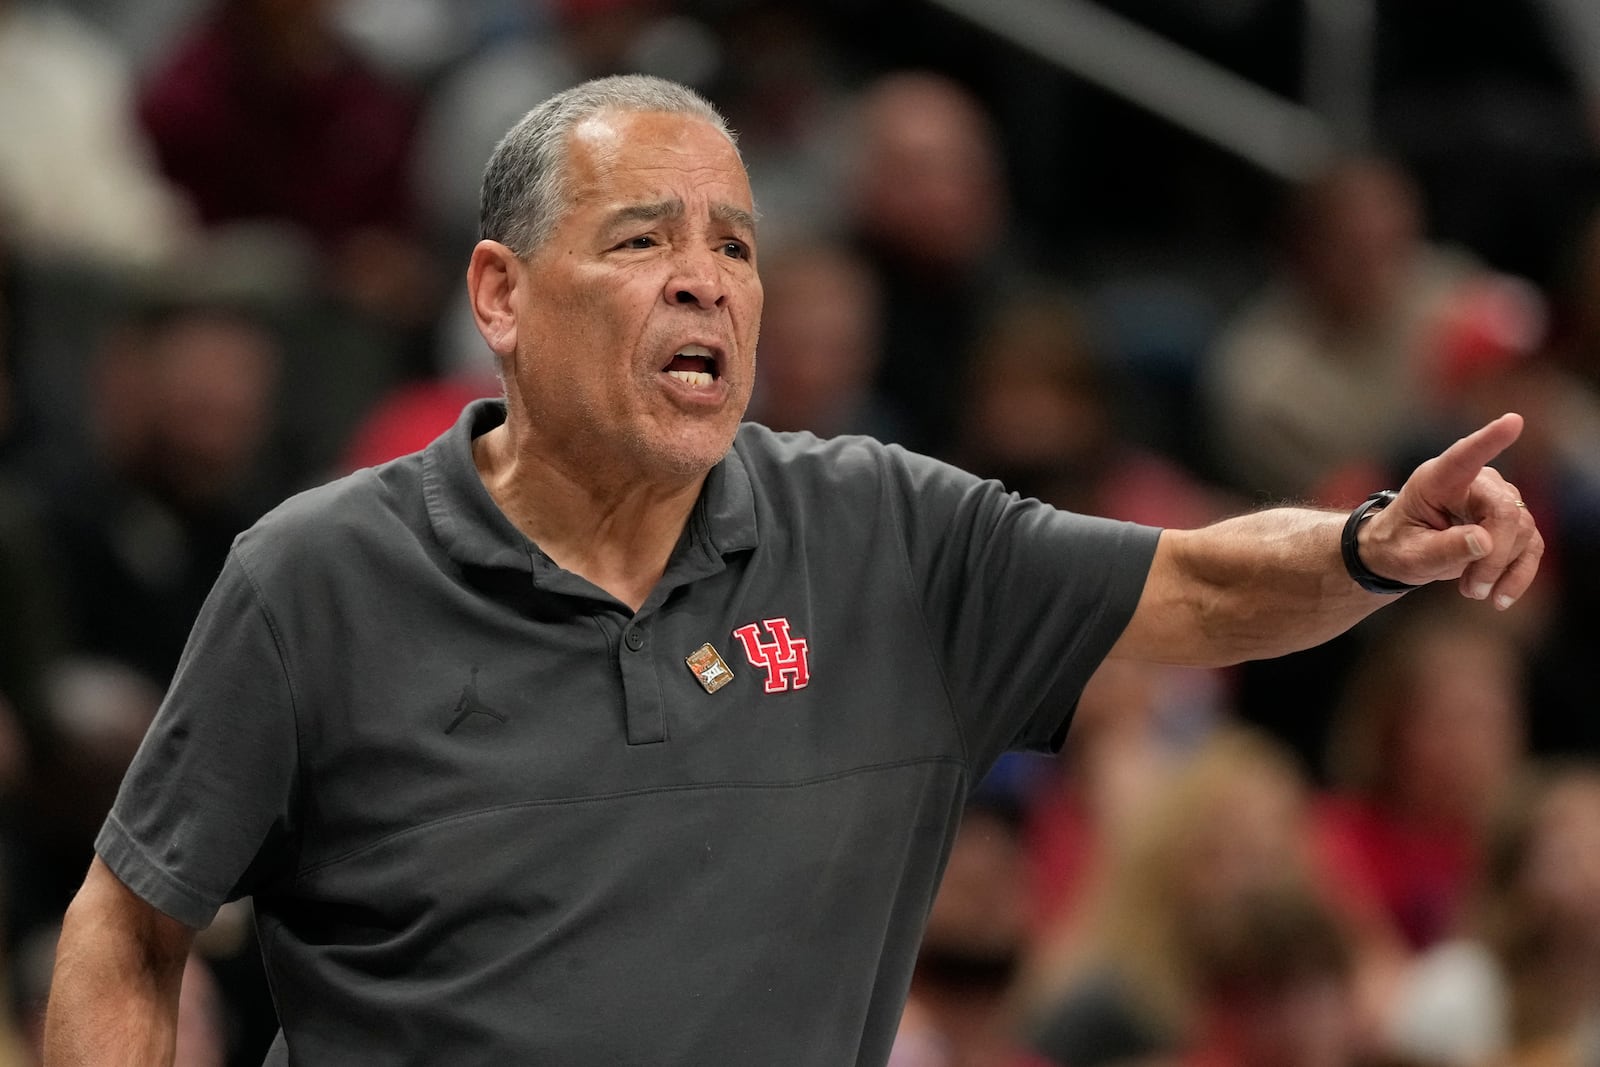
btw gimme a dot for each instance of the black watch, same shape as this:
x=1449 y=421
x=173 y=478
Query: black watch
x=1372 y=583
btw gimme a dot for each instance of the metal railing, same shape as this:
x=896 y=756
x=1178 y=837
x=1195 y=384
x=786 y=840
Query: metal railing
x=1283 y=137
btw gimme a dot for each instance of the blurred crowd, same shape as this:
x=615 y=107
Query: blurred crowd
x=232 y=238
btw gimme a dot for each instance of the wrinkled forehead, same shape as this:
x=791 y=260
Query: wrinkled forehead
x=656 y=156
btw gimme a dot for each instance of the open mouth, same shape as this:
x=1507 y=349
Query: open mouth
x=693 y=365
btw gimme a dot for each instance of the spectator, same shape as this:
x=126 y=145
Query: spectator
x=1276 y=987
x=783 y=90
x=1324 y=367
x=260 y=112
x=1133 y=727
x=970 y=952
x=819 y=346
x=1231 y=825
x=77 y=178
x=1040 y=414
x=1521 y=985
x=1430 y=734
x=182 y=398
x=930 y=211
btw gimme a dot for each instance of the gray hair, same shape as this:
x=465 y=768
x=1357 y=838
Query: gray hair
x=527 y=186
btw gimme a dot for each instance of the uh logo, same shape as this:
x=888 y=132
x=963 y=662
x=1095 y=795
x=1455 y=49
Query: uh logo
x=784 y=658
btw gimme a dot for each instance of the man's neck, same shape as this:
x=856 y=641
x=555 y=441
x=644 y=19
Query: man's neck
x=616 y=532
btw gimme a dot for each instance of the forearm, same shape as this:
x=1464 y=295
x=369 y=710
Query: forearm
x=1251 y=587
x=107 y=1007
x=114 y=994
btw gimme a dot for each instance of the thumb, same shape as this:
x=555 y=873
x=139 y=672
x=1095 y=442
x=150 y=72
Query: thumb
x=1437 y=555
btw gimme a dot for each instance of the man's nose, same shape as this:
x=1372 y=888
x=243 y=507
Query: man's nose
x=697 y=279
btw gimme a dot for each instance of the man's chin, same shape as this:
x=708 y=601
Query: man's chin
x=691 y=451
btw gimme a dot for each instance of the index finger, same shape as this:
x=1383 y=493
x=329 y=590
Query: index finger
x=1459 y=464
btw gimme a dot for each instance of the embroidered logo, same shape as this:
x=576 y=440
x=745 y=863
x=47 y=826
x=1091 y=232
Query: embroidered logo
x=784 y=658
x=708 y=666
x=469 y=704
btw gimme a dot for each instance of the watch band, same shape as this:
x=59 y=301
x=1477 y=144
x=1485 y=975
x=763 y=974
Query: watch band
x=1372 y=583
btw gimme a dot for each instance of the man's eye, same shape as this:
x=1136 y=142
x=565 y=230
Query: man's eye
x=736 y=250
x=642 y=241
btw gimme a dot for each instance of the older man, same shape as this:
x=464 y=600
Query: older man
x=608 y=730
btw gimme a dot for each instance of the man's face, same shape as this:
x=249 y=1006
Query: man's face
x=637 y=318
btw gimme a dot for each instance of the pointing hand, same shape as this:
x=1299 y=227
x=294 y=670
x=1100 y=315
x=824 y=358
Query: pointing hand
x=1456 y=517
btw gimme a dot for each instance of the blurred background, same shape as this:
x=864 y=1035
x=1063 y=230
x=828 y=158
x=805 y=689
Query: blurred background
x=1164 y=260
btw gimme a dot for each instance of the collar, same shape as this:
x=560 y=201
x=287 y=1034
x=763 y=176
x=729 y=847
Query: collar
x=474 y=531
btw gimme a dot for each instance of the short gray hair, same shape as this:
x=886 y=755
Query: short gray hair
x=527 y=186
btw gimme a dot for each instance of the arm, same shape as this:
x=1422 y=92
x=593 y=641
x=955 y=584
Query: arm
x=1273 y=582
x=119 y=965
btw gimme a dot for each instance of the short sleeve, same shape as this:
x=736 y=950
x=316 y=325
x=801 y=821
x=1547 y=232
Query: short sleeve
x=204 y=812
x=1022 y=600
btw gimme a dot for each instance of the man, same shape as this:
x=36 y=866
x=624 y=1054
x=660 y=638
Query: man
x=580 y=737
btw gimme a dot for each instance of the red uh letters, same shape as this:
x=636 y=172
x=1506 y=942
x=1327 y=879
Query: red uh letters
x=784 y=658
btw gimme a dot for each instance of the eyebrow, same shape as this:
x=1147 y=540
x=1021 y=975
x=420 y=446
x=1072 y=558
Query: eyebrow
x=726 y=214
x=737 y=217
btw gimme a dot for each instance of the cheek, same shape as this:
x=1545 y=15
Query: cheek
x=753 y=330
x=750 y=300
x=574 y=343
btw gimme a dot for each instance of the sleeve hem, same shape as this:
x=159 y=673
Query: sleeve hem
x=140 y=872
x=1123 y=588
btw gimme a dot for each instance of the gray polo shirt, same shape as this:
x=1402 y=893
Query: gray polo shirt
x=490 y=816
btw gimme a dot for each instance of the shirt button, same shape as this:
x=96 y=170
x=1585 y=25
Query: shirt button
x=634 y=640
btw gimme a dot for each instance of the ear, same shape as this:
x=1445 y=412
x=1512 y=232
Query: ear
x=493 y=274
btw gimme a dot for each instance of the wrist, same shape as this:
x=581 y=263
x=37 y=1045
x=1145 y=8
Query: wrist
x=1350 y=547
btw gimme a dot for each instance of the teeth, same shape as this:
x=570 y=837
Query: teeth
x=692 y=377
x=695 y=350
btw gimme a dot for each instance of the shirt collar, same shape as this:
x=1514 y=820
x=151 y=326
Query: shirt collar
x=474 y=531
